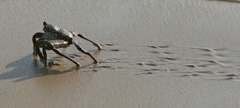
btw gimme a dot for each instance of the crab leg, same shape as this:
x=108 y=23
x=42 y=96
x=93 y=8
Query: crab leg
x=34 y=41
x=44 y=56
x=38 y=52
x=94 y=43
x=57 y=52
x=87 y=53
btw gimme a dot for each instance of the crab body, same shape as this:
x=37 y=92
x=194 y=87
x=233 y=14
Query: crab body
x=54 y=38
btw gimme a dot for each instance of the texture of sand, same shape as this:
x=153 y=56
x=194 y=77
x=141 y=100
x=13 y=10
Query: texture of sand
x=157 y=54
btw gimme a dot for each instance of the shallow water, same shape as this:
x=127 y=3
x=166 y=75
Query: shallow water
x=157 y=53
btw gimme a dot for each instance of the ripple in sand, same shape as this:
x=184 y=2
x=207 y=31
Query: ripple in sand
x=190 y=75
x=145 y=73
x=205 y=49
x=191 y=65
x=204 y=65
x=154 y=52
x=151 y=46
x=220 y=49
x=109 y=44
x=172 y=70
x=151 y=64
x=146 y=64
x=221 y=55
x=231 y=75
x=208 y=55
x=229 y=78
x=140 y=64
x=106 y=67
x=221 y=72
x=169 y=58
x=205 y=72
x=164 y=46
x=114 y=50
x=160 y=46
x=167 y=52
x=152 y=70
x=212 y=61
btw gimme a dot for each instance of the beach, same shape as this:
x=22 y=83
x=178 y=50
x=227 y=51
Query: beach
x=156 y=54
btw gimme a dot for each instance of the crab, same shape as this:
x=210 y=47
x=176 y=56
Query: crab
x=54 y=38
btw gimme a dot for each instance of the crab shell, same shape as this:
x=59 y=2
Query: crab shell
x=58 y=30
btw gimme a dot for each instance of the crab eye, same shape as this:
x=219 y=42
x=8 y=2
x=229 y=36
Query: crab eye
x=44 y=23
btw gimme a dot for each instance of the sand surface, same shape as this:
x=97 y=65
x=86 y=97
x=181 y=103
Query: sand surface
x=157 y=54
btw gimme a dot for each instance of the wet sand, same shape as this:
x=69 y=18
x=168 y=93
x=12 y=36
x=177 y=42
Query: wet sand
x=157 y=53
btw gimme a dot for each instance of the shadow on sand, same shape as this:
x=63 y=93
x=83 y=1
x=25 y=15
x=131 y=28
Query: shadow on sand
x=25 y=68
x=230 y=1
